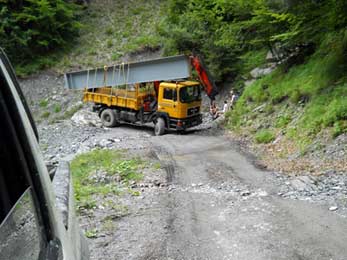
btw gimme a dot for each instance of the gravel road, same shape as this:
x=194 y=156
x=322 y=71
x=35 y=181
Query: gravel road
x=222 y=207
x=208 y=201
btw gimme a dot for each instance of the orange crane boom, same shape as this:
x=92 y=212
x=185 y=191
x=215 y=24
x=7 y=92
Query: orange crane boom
x=204 y=76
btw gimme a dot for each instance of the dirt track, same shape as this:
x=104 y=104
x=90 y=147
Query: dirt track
x=213 y=204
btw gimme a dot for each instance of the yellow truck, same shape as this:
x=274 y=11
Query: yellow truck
x=132 y=93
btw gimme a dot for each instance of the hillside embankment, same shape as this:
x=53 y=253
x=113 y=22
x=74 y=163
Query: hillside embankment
x=295 y=118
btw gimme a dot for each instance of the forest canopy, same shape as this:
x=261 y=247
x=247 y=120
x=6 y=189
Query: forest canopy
x=224 y=30
x=32 y=28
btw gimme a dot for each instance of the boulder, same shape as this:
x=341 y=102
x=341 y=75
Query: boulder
x=260 y=72
x=84 y=117
x=304 y=183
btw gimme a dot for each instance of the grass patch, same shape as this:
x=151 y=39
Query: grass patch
x=45 y=114
x=43 y=103
x=340 y=127
x=38 y=63
x=57 y=108
x=283 y=121
x=92 y=233
x=113 y=163
x=157 y=166
x=264 y=136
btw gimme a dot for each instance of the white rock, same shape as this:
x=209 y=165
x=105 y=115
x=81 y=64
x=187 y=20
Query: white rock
x=333 y=208
x=84 y=117
x=259 y=72
x=262 y=193
x=249 y=82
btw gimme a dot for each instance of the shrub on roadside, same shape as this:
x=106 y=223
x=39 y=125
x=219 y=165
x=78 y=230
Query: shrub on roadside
x=264 y=136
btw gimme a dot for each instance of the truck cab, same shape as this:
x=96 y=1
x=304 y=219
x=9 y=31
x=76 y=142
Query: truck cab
x=180 y=104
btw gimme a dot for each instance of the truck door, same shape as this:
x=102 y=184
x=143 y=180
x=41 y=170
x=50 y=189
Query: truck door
x=168 y=101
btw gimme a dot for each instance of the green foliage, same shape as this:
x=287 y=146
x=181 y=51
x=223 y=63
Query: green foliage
x=43 y=103
x=57 y=108
x=283 y=121
x=31 y=28
x=109 y=161
x=93 y=233
x=252 y=59
x=109 y=43
x=340 y=127
x=264 y=136
x=228 y=33
x=45 y=114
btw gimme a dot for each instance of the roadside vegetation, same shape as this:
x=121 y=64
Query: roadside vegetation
x=317 y=88
x=103 y=172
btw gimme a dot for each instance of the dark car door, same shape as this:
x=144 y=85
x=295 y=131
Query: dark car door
x=31 y=226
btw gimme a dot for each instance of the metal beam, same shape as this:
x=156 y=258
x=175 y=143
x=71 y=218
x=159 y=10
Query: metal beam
x=169 y=68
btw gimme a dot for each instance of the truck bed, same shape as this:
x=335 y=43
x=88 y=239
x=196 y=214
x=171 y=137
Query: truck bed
x=115 y=97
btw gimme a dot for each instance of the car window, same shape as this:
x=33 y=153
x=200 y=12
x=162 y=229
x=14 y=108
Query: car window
x=21 y=235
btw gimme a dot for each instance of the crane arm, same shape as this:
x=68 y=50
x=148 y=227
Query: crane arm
x=204 y=76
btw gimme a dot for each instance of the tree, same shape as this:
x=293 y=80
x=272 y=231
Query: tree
x=30 y=28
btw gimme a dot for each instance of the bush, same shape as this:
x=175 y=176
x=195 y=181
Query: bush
x=43 y=103
x=283 y=121
x=264 y=136
x=340 y=127
x=31 y=28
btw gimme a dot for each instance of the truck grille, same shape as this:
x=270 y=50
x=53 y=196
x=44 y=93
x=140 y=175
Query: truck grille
x=193 y=111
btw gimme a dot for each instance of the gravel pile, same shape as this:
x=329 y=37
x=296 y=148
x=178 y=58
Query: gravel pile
x=65 y=138
x=329 y=189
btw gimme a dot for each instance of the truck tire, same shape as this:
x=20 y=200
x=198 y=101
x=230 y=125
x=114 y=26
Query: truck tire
x=108 y=118
x=159 y=128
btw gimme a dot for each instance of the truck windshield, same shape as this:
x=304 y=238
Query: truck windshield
x=190 y=93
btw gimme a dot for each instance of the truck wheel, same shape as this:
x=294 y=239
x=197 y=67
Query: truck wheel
x=108 y=118
x=159 y=128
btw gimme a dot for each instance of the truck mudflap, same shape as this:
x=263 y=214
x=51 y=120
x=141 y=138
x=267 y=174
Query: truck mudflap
x=182 y=124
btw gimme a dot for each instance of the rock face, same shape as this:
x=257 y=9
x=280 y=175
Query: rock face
x=260 y=72
x=84 y=117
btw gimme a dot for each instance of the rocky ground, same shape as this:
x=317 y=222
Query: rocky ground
x=320 y=176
